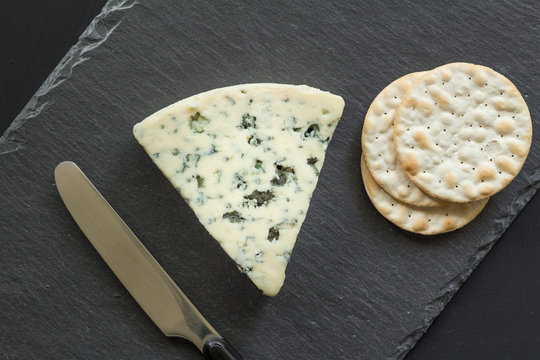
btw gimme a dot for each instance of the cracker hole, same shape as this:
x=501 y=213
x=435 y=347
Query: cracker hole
x=444 y=129
x=428 y=219
x=409 y=215
x=437 y=144
x=376 y=138
x=500 y=172
x=424 y=171
x=481 y=149
x=501 y=93
x=385 y=114
x=462 y=162
x=490 y=159
x=512 y=155
x=517 y=135
x=470 y=125
x=453 y=114
x=469 y=78
x=502 y=135
x=409 y=185
x=513 y=117
x=482 y=180
x=425 y=91
x=499 y=115
x=479 y=125
x=440 y=181
x=380 y=155
x=485 y=104
x=407 y=129
x=485 y=84
x=443 y=83
x=387 y=170
x=446 y=214
x=456 y=186
x=428 y=127
x=395 y=97
x=435 y=103
x=392 y=204
x=474 y=168
x=468 y=95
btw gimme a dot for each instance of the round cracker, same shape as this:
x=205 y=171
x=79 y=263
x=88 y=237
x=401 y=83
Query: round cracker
x=462 y=132
x=378 y=146
x=422 y=220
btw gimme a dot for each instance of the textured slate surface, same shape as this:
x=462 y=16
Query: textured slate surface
x=357 y=287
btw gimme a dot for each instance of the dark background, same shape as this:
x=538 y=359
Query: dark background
x=495 y=315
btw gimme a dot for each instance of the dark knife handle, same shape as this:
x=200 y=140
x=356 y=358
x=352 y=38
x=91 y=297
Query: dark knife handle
x=220 y=349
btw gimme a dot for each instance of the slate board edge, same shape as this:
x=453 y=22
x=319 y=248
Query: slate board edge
x=99 y=30
x=93 y=36
x=446 y=294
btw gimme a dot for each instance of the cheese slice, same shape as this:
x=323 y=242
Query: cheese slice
x=246 y=159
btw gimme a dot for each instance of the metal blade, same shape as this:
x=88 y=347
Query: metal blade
x=127 y=257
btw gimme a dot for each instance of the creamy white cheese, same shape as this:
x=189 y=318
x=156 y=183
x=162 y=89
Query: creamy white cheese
x=246 y=159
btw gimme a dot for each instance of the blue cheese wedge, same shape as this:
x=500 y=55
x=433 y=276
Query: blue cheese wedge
x=246 y=159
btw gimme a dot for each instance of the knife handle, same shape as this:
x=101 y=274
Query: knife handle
x=220 y=349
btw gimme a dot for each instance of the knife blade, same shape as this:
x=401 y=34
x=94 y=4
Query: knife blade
x=152 y=288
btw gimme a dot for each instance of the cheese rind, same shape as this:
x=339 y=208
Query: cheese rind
x=246 y=159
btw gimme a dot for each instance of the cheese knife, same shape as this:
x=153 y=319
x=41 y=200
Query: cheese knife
x=153 y=289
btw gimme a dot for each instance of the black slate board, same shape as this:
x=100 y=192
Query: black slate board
x=357 y=287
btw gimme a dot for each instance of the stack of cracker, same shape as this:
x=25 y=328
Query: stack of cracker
x=437 y=144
